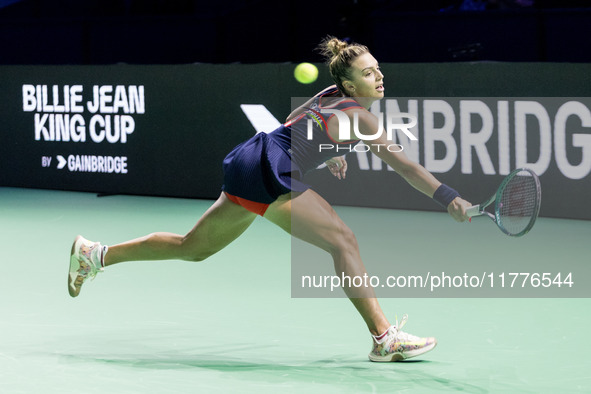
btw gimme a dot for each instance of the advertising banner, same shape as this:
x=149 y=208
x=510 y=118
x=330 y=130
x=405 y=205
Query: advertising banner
x=164 y=130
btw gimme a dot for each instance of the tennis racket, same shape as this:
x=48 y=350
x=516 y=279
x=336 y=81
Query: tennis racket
x=517 y=203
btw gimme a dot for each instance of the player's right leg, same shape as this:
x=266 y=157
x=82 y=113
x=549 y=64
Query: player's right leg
x=222 y=223
x=311 y=218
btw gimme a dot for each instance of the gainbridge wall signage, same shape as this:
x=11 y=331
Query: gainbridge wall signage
x=164 y=130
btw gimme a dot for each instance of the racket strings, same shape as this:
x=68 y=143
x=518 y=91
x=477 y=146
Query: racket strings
x=519 y=203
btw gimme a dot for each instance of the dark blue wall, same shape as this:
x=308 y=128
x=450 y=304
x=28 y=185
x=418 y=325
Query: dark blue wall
x=173 y=32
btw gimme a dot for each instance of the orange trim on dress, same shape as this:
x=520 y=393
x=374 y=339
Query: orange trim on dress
x=255 y=207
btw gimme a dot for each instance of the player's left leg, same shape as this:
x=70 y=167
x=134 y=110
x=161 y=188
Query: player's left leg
x=222 y=223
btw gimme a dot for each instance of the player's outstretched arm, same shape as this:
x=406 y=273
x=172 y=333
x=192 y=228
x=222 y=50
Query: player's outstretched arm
x=421 y=179
x=414 y=173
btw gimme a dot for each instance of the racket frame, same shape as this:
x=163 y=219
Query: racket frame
x=479 y=210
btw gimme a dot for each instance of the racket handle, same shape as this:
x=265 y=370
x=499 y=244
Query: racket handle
x=474 y=210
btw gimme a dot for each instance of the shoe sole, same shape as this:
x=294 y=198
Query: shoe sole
x=73 y=292
x=402 y=356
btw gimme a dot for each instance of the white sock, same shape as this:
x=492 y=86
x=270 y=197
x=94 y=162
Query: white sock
x=104 y=250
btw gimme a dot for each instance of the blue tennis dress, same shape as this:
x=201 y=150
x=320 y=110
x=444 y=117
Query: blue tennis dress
x=268 y=165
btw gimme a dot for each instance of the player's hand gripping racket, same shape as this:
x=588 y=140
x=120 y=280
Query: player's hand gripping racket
x=517 y=203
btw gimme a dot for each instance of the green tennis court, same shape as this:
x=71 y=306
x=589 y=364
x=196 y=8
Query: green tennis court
x=230 y=324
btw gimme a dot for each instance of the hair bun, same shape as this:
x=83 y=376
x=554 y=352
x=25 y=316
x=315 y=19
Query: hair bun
x=331 y=47
x=336 y=46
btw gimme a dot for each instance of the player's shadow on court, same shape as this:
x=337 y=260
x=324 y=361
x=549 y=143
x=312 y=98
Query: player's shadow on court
x=339 y=371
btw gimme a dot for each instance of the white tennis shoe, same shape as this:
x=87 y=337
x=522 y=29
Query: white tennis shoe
x=86 y=260
x=397 y=345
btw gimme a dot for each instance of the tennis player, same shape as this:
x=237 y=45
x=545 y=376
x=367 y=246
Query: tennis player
x=263 y=176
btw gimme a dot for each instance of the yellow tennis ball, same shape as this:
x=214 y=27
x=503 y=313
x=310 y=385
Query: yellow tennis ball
x=305 y=73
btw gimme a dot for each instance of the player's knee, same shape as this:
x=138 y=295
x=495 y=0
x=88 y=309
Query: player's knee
x=196 y=258
x=194 y=254
x=344 y=241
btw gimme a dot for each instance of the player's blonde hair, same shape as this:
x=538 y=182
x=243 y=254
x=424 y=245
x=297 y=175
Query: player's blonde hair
x=339 y=56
